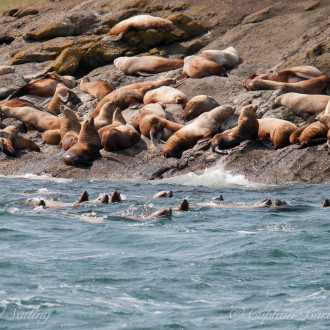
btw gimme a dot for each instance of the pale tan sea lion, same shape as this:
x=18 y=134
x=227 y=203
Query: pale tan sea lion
x=310 y=86
x=69 y=129
x=32 y=118
x=163 y=194
x=87 y=149
x=156 y=109
x=131 y=95
x=204 y=126
x=196 y=66
x=227 y=58
x=166 y=95
x=276 y=130
x=105 y=116
x=97 y=88
x=52 y=136
x=5 y=69
x=246 y=129
x=314 y=133
x=62 y=96
x=291 y=75
x=198 y=105
x=140 y=23
x=146 y=64
x=304 y=105
x=44 y=85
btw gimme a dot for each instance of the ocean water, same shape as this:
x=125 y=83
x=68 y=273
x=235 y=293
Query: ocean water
x=221 y=265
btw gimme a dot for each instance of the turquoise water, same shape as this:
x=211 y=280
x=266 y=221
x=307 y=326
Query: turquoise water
x=233 y=267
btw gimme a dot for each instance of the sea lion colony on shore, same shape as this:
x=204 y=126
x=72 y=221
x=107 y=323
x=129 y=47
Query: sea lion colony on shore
x=105 y=127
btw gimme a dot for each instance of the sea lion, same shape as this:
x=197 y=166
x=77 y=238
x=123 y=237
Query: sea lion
x=276 y=130
x=87 y=149
x=227 y=58
x=115 y=197
x=196 y=66
x=156 y=109
x=97 y=88
x=105 y=115
x=310 y=86
x=7 y=136
x=145 y=65
x=326 y=203
x=204 y=126
x=304 y=105
x=183 y=205
x=140 y=23
x=246 y=129
x=62 y=96
x=52 y=136
x=314 y=133
x=163 y=194
x=119 y=137
x=166 y=95
x=291 y=75
x=44 y=85
x=32 y=118
x=16 y=103
x=218 y=198
x=294 y=137
x=130 y=95
x=5 y=69
x=198 y=105
x=69 y=129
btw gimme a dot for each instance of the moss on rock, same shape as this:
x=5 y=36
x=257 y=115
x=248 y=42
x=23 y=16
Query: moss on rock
x=68 y=61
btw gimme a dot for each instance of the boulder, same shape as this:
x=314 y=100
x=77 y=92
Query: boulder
x=9 y=83
x=259 y=16
x=36 y=56
x=67 y=63
x=25 y=12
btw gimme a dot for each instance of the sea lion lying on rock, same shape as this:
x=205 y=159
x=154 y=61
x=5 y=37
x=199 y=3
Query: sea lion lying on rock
x=97 y=88
x=44 y=85
x=62 y=96
x=276 y=130
x=5 y=69
x=304 y=105
x=32 y=118
x=87 y=149
x=246 y=129
x=166 y=95
x=198 y=105
x=146 y=65
x=204 y=126
x=313 y=134
x=140 y=23
x=291 y=75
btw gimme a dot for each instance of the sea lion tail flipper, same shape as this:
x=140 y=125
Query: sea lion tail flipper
x=221 y=152
x=145 y=74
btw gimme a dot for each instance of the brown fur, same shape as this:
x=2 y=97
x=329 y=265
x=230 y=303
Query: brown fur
x=156 y=109
x=69 y=140
x=149 y=64
x=294 y=137
x=32 y=118
x=63 y=96
x=198 y=105
x=304 y=105
x=16 y=103
x=140 y=23
x=246 y=129
x=130 y=95
x=312 y=132
x=52 y=136
x=276 y=130
x=87 y=149
x=44 y=85
x=97 y=88
x=291 y=75
x=204 y=126
x=105 y=116
x=310 y=86
x=8 y=136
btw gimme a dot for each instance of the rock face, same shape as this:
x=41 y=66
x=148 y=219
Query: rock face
x=70 y=37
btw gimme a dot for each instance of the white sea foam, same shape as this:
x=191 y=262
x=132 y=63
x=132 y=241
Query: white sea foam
x=42 y=177
x=212 y=177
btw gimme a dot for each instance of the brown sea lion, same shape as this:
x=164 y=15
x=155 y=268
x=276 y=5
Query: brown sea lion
x=32 y=118
x=198 y=105
x=163 y=194
x=62 y=96
x=227 y=58
x=166 y=95
x=5 y=69
x=183 y=205
x=304 y=105
x=97 y=88
x=7 y=136
x=246 y=129
x=310 y=86
x=145 y=65
x=156 y=109
x=130 y=95
x=326 y=203
x=276 y=130
x=115 y=197
x=291 y=75
x=44 y=85
x=16 y=103
x=204 y=126
x=87 y=149
x=140 y=23
x=52 y=136
x=196 y=66
x=105 y=116
x=314 y=133
x=294 y=137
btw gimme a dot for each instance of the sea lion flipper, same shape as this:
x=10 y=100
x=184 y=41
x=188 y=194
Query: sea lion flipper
x=221 y=152
x=117 y=37
x=146 y=74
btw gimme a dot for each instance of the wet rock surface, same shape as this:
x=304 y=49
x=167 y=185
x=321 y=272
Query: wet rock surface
x=267 y=37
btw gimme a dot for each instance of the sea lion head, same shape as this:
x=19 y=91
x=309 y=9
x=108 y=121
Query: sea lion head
x=184 y=205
